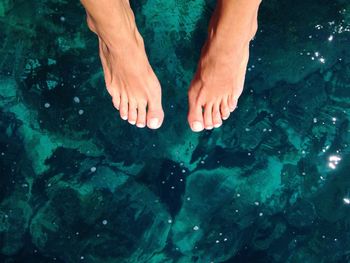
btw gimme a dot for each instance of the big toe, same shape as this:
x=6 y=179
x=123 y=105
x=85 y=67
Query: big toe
x=195 y=117
x=155 y=116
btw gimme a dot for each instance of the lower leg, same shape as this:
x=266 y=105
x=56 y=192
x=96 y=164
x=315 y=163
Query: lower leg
x=220 y=75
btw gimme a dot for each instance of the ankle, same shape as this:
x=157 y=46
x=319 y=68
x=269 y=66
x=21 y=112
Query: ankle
x=116 y=35
x=228 y=42
x=116 y=17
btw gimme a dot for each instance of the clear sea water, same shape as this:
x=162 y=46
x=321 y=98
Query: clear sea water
x=80 y=185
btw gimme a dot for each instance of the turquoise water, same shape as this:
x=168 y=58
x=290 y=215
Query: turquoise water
x=80 y=185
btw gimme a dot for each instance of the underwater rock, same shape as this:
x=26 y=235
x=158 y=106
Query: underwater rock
x=338 y=87
x=38 y=144
x=304 y=255
x=5 y=6
x=265 y=235
x=252 y=116
x=301 y=214
x=205 y=191
x=296 y=35
x=329 y=201
x=300 y=103
x=218 y=195
x=14 y=220
x=124 y=222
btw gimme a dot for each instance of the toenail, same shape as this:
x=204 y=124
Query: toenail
x=153 y=123
x=132 y=122
x=209 y=127
x=140 y=125
x=197 y=126
x=124 y=117
x=225 y=117
x=217 y=125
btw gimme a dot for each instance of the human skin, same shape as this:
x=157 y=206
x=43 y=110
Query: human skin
x=132 y=83
x=129 y=78
x=220 y=75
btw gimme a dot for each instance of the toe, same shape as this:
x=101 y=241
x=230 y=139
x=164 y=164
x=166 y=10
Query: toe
x=208 y=117
x=116 y=101
x=232 y=103
x=225 y=111
x=123 y=109
x=155 y=115
x=141 y=115
x=217 y=121
x=132 y=113
x=195 y=117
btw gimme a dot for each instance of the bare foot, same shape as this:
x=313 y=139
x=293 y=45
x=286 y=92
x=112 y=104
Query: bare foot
x=129 y=78
x=220 y=75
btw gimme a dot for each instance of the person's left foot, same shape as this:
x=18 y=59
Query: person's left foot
x=218 y=82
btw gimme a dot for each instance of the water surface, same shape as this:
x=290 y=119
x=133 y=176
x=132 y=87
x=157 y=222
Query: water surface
x=80 y=185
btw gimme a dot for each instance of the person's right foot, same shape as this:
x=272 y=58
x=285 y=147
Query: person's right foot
x=129 y=78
